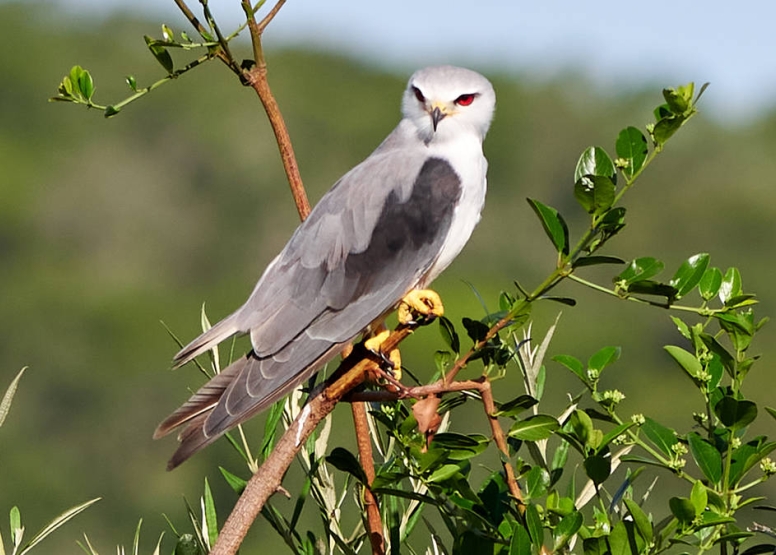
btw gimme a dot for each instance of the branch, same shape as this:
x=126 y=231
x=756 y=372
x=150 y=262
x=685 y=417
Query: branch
x=266 y=481
x=373 y=520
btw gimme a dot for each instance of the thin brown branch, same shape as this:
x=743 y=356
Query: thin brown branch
x=501 y=442
x=373 y=520
x=223 y=53
x=268 y=478
x=464 y=359
x=256 y=77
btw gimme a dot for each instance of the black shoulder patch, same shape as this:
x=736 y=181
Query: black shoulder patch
x=420 y=223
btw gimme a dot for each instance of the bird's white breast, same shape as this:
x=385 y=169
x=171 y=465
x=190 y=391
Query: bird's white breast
x=465 y=155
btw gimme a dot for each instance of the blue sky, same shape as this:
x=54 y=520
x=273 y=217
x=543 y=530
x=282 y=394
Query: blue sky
x=614 y=43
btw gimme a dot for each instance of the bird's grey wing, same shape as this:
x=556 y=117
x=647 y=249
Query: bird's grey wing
x=328 y=284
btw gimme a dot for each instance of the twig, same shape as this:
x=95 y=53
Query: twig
x=373 y=520
x=256 y=77
x=266 y=481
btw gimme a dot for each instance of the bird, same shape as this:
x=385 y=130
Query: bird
x=379 y=236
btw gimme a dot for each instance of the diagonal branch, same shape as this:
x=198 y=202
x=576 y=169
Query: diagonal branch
x=266 y=481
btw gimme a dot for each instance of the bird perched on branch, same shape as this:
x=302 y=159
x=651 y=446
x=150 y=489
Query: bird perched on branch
x=376 y=239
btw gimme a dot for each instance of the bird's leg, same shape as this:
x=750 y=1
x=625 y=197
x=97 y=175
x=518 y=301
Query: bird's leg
x=423 y=303
x=374 y=344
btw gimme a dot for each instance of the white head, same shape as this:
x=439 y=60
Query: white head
x=442 y=101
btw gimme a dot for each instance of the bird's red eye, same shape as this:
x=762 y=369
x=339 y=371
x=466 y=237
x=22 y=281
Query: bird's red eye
x=418 y=94
x=465 y=99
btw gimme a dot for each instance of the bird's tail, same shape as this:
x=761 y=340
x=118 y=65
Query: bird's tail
x=207 y=340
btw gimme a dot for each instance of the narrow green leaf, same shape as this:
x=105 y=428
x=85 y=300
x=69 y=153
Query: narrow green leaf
x=643 y=525
x=160 y=53
x=699 y=497
x=632 y=147
x=56 y=523
x=449 y=335
x=235 y=482
x=534 y=524
x=534 y=428
x=515 y=406
x=86 y=84
x=663 y=438
x=597 y=260
x=209 y=518
x=132 y=82
x=710 y=283
x=706 y=456
x=554 y=225
x=665 y=129
x=5 y=404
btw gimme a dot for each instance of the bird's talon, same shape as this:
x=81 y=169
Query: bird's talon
x=420 y=302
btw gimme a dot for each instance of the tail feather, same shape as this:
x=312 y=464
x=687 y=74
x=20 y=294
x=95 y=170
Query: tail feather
x=207 y=340
x=202 y=402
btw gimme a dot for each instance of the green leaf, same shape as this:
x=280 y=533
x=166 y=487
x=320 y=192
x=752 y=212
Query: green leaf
x=235 y=482
x=536 y=482
x=566 y=528
x=111 y=111
x=731 y=285
x=520 y=544
x=663 y=438
x=449 y=335
x=597 y=260
x=632 y=147
x=475 y=329
x=594 y=161
x=706 y=457
x=444 y=472
x=534 y=428
x=573 y=364
x=679 y=100
x=618 y=540
x=640 y=519
x=683 y=509
x=603 y=358
x=735 y=414
x=554 y=225
x=160 y=53
x=595 y=194
x=687 y=361
x=689 y=274
x=211 y=520
x=598 y=467
x=710 y=283
x=515 y=406
x=698 y=497
x=187 y=545
x=665 y=129
x=86 y=84
x=54 y=524
x=460 y=447
x=345 y=461
x=5 y=404
x=132 y=82
x=640 y=269
x=534 y=524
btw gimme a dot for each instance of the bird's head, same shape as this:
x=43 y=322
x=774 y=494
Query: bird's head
x=440 y=99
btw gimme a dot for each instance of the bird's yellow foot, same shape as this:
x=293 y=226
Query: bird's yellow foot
x=420 y=302
x=392 y=358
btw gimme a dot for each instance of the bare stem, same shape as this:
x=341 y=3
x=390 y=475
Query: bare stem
x=373 y=520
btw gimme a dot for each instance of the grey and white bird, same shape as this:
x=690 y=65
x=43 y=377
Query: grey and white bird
x=388 y=227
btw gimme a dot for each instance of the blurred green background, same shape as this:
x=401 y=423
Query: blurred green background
x=108 y=227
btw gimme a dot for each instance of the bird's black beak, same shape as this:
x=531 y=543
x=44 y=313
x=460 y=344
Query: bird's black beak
x=437 y=115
